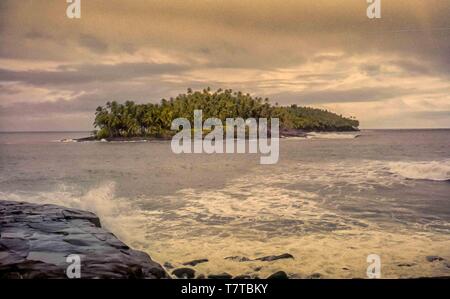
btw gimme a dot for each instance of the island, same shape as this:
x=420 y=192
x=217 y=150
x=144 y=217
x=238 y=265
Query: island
x=130 y=121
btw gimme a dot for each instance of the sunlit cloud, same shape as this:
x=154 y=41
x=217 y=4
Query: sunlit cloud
x=392 y=72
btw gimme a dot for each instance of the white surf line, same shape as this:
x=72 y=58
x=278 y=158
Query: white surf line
x=422 y=30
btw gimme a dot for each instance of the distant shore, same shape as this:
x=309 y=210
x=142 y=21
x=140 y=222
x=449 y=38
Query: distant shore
x=284 y=133
x=121 y=139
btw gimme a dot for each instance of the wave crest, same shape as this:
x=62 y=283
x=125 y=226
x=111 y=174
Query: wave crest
x=427 y=170
x=322 y=135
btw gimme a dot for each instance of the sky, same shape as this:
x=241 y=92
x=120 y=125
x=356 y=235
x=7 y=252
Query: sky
x=392 y=72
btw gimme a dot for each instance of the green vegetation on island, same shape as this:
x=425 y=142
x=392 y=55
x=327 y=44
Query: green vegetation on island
x=130 y=120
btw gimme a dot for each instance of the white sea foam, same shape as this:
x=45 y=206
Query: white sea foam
x=243 y=218
x=323 y=135
x=65 y=140
x=424 y=170
x=294 y=138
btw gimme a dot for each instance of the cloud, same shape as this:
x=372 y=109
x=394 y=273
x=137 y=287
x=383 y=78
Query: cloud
x=342 y=96
x=433 y=114
x=88 y=73
x=326 y=54
x=93 y=43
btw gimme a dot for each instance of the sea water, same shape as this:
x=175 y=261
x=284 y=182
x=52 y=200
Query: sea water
x=330 y=201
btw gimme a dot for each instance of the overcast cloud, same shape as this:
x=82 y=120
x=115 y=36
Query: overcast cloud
x=391 y=72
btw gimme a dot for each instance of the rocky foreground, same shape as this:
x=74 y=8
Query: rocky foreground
x=35 y=241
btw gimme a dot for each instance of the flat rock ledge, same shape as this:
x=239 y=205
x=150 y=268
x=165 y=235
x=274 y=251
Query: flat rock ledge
x=36 y=241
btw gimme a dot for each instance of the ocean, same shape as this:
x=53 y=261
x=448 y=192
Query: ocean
x=330 y=201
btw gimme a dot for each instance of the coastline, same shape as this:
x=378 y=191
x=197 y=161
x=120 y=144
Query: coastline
x=284 y=133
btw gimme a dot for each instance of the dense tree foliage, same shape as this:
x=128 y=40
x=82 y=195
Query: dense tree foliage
x=140 y=120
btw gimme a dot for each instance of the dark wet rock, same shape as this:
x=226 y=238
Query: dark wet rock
x=406 y=265
x=271 y=258
x=195 y=262
x=76 y=214
x=315 y=276
x=243 y=277
x=237 y=258
x=434 y=258
x=36 y=242
x=184 y=273
x=285 y=132
x=278 y=275
x=90 y=138
x=201 y=276
x=168 y=265
x=220 y=276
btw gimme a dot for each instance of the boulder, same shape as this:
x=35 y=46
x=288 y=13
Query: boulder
x=271 y=258
x=195 y=262
x=278 y=275
x=434 y=258
x=184 y=273
x=237 y=258
x=315 y=276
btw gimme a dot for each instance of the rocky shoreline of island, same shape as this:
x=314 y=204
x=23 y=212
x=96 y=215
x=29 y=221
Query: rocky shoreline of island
x=284 y=134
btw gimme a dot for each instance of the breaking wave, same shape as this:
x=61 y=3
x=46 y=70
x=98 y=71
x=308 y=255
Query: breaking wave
x=321 y=135
x=68 y=140
x=431 y=170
